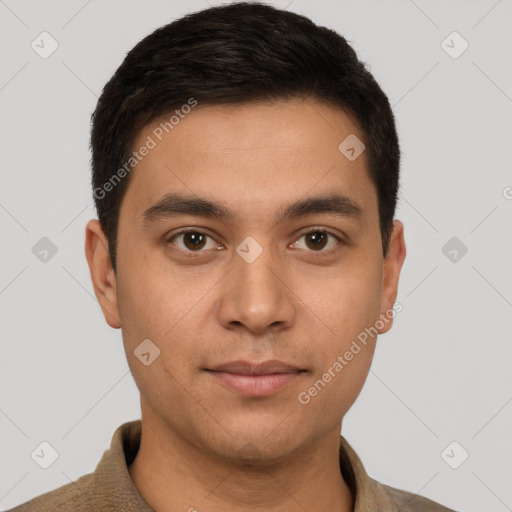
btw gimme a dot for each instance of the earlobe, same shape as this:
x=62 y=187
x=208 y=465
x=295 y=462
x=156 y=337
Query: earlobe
x=102 y=275
x=391 y=274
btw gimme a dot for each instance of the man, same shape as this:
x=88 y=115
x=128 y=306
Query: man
x=245 y=174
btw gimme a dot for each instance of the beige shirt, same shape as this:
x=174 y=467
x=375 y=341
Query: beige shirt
x=110 y=489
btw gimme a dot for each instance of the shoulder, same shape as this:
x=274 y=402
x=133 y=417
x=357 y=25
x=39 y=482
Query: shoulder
x=373 y=495
x=71 y=497
x=410 y=502
x=108 y=487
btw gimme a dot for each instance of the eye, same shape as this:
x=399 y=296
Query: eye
x=318 y=239
x=193 y=241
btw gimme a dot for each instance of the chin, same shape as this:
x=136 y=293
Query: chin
x=256 y=446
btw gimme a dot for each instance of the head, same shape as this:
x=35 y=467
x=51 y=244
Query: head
x=231 y=122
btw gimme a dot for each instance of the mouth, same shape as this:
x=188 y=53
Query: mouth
x=255 y=379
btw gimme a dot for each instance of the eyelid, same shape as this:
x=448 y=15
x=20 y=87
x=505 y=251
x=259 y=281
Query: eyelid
x=201 y=231
x=314 y=229
x=306 y=231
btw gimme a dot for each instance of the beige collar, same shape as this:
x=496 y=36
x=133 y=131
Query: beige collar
x=112 y=479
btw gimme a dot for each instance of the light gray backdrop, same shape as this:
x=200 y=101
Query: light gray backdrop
x=441 y=375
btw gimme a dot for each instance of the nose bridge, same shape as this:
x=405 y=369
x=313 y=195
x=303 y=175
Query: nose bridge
x=256 y=296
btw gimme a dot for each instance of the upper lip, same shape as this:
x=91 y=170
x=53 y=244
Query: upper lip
x=250 y=368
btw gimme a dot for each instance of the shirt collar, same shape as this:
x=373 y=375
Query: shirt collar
x=113 y=484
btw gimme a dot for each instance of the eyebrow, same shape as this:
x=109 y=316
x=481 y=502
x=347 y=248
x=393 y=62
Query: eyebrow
x=174 y=205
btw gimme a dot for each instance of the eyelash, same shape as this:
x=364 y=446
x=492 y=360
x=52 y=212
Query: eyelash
x=313 y=230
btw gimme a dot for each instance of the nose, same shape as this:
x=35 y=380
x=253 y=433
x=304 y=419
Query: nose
x=256 y=295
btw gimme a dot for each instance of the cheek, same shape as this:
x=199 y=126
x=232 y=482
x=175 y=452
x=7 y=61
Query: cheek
x=346 y=359
x=154 y=301
x=331 y=393
x=168 y=309
x=348 y=304
x=343 y=301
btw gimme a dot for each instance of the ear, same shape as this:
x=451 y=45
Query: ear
x=392 y=267
x=102 y=273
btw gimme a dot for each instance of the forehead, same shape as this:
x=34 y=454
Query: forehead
x=255 y=157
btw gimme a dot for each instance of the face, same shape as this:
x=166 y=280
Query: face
x=245 y=276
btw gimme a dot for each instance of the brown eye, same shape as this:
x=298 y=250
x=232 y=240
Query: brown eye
x=317 y=240
x=192 y=241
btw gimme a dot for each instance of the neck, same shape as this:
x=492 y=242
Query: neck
x=172 y=474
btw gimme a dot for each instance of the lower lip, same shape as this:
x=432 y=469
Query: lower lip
x=255 y=385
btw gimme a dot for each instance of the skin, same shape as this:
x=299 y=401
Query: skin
x=205 y=447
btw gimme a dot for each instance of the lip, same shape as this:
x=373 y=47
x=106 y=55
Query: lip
x=248 y=368
x=255 y=379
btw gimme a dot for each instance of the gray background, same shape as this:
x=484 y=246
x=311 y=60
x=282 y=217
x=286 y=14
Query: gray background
x=442 y=374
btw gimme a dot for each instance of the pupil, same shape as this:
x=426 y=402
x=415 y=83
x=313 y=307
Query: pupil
x=319 y=237
x=195 y=238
